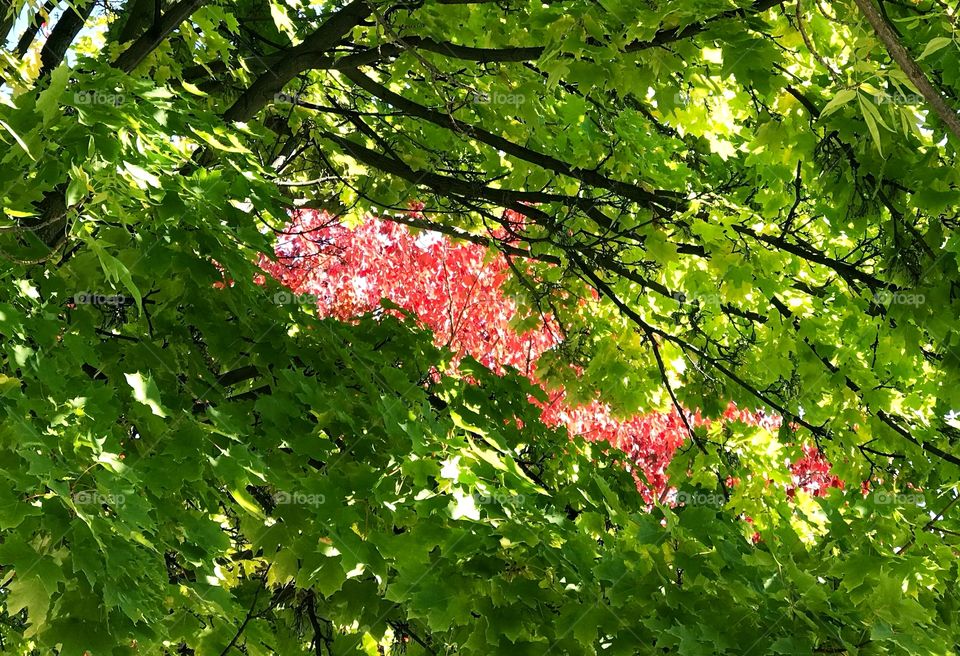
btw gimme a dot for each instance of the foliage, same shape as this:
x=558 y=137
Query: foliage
x=722 y=201
x=458 y=291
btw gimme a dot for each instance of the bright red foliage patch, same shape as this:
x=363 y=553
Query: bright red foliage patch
x=812 y=473
x=453 y=288
x=456 y=290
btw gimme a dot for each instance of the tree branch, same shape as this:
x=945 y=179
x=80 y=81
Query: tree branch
x=910 y=67
x=64 y=32
x=532 y=53
x=670 y=200
x=26 y=39
x=297 y=60
x=130 y=58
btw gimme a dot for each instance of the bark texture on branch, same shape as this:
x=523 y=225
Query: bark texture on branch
x=910 y=67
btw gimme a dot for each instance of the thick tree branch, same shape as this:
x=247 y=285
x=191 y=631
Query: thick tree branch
x=137 y=19
x=445 y=48
x=7 y=16
x=298 y=59
x=848 y=271
x=153 y=37
x=506 y=198
x=50 y=224
x=64 y=32
x=532 y=53
x=910 y=67
x=26 y=39
x=667 y=199
x=519 y=201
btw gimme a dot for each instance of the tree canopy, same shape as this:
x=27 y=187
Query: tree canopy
x=709 y=202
